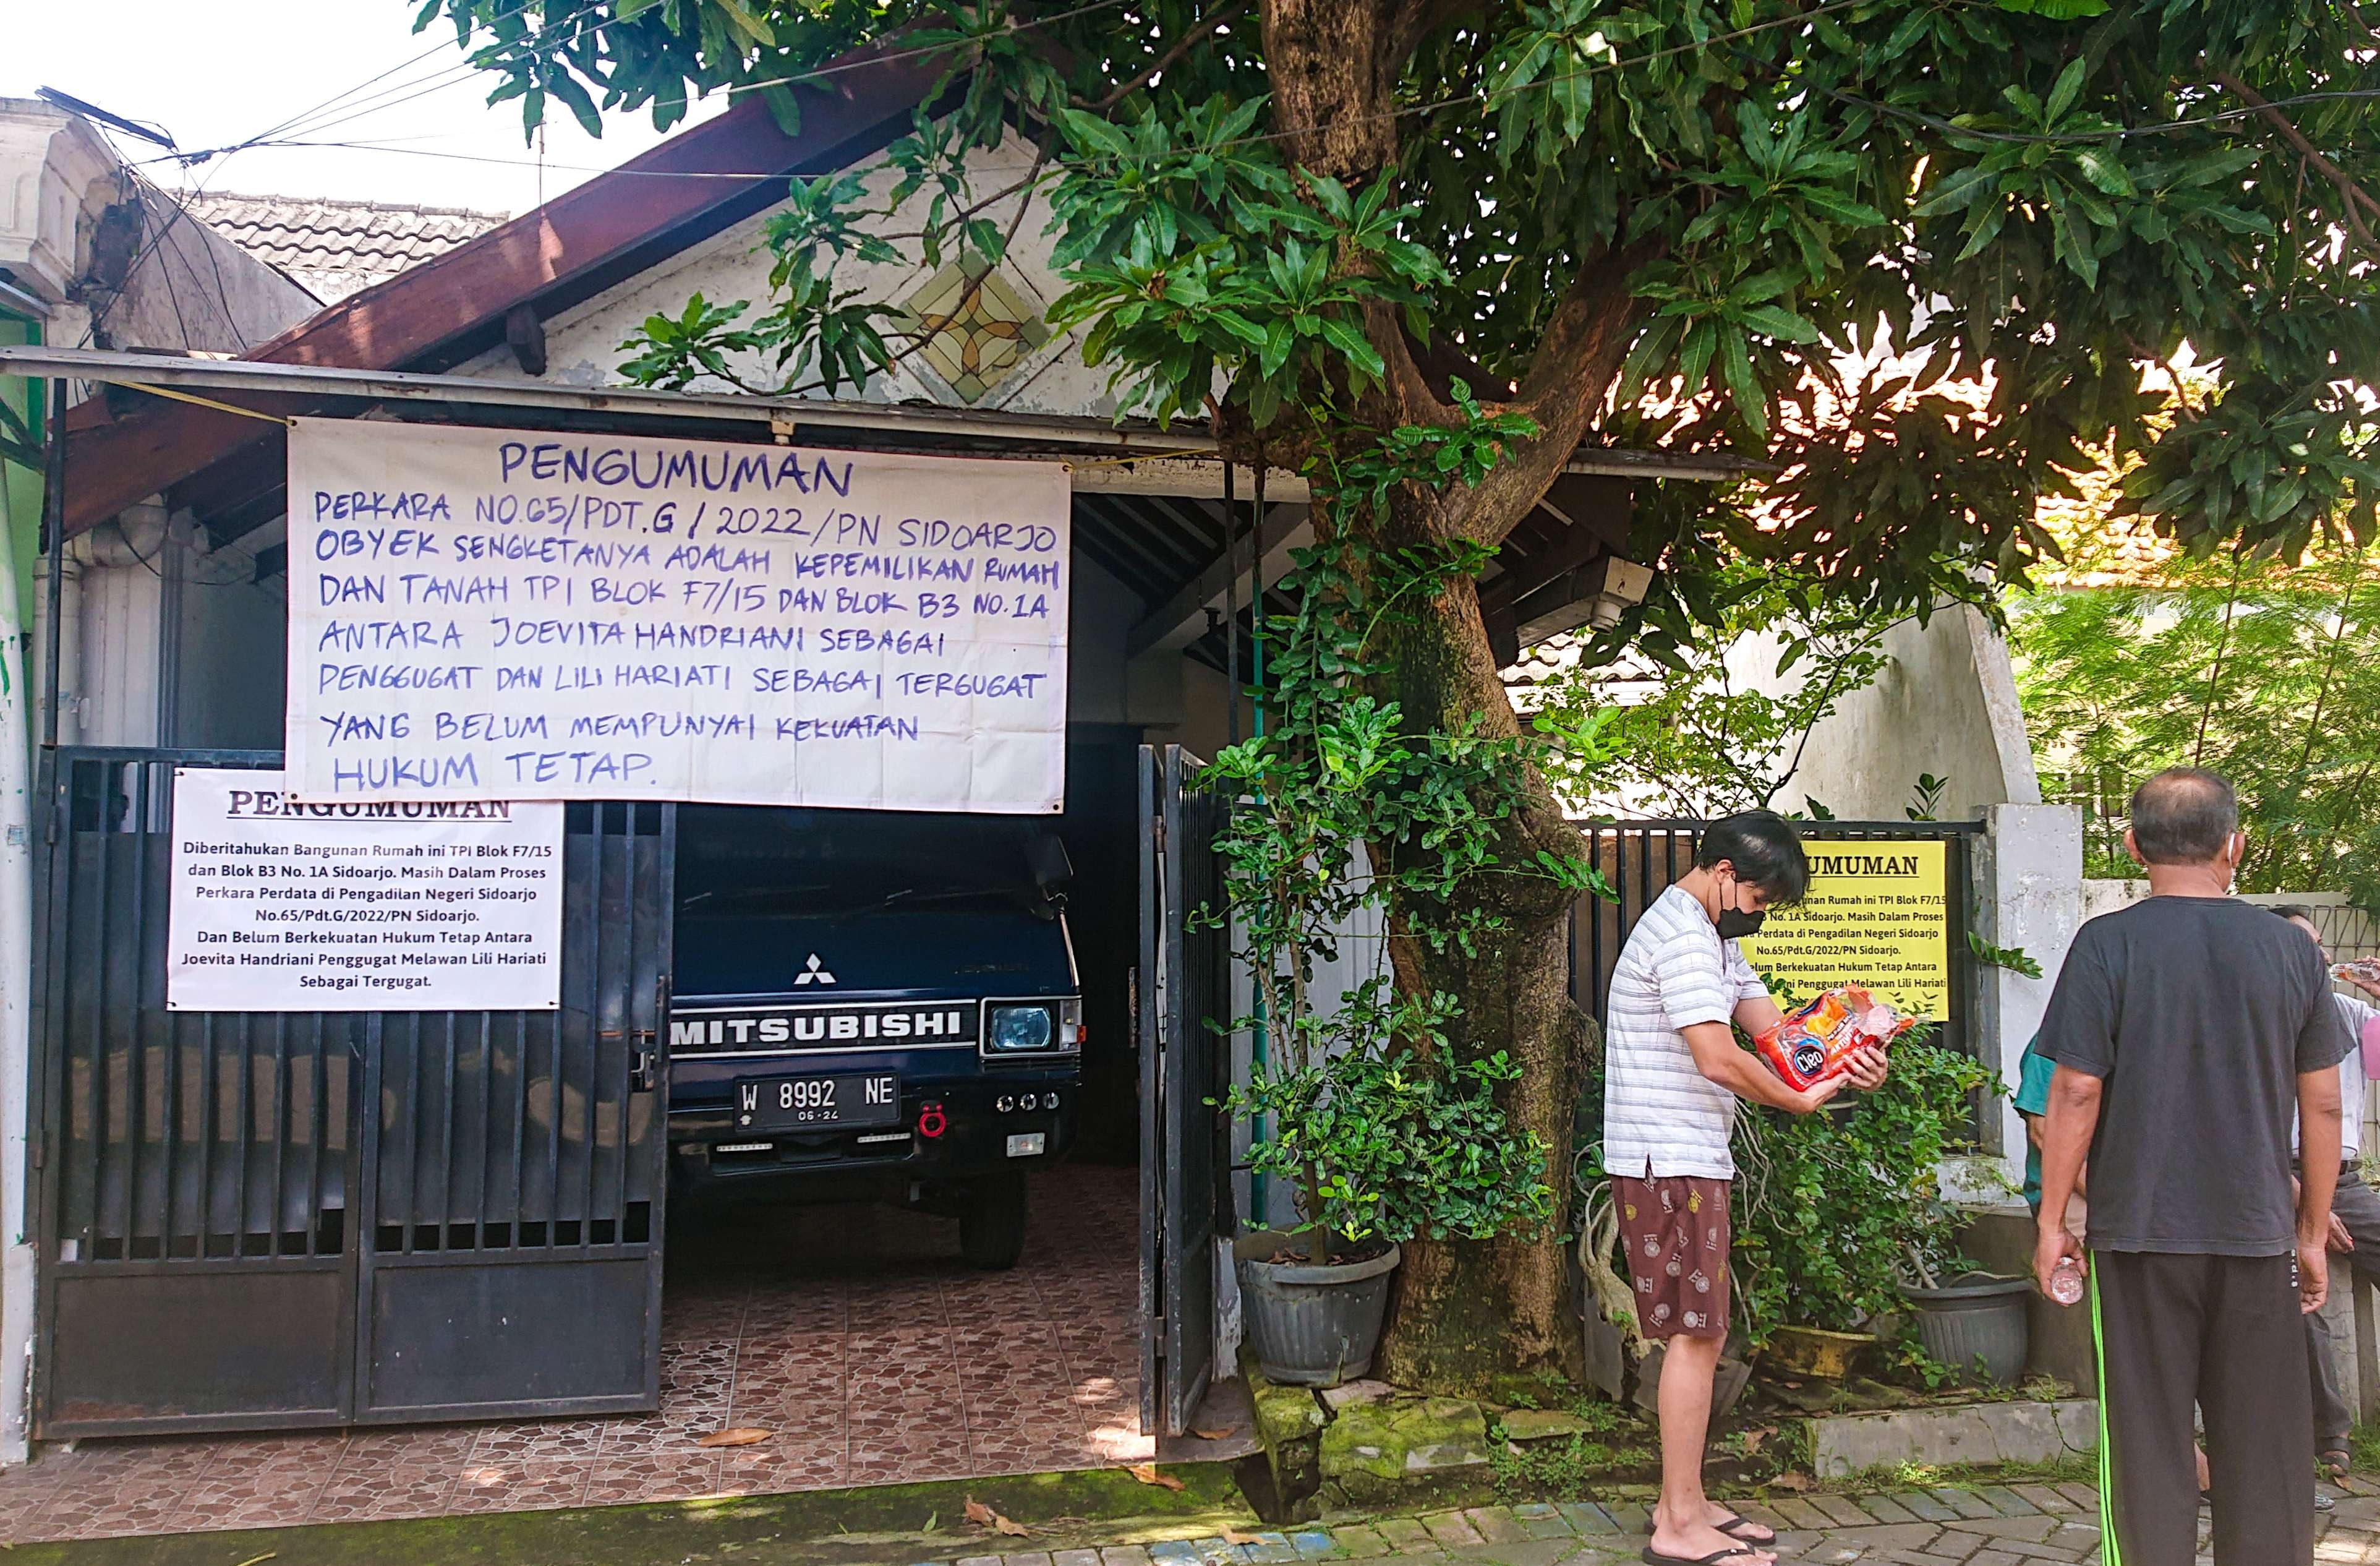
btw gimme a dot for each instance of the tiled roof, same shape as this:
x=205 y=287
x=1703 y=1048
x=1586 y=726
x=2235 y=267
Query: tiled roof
x=335 y=248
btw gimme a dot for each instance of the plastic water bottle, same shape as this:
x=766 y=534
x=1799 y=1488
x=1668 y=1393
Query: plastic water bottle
x=2066 y=1282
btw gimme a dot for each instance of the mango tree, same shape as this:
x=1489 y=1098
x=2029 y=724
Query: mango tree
x=1908 y=252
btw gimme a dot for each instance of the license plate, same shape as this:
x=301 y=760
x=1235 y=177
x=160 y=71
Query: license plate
x=780 y=1103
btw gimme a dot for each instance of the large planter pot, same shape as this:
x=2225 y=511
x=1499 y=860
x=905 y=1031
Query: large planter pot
x=1311 y=1326
x=1977 y=1319
x=1815 y=1352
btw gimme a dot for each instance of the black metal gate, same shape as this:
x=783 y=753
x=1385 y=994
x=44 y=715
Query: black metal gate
x=511 y=1229
x=1641 y=858
x=276 y=1219
x=1183 y=992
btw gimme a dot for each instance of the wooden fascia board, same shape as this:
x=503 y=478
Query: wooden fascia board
x=115 y=462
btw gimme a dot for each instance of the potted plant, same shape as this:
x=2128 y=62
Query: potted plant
x=1966 y=1320
x=1357 y=1102
x=1376 y=1152
x=1830 y=1212
x=1828 y=1209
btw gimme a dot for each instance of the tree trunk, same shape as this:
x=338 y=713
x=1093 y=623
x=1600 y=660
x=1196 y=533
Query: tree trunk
x=1468 y=1314
x=1471 y=1315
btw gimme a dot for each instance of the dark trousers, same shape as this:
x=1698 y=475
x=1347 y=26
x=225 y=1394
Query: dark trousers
x=2358 y=1206
x=2223 y=1332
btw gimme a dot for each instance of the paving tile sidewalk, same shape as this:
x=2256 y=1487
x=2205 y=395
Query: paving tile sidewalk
x=2013 y=1525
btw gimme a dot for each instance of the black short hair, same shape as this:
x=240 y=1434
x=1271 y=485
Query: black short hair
x=1763 y=849
x=2295 y=911
x=2184 y=816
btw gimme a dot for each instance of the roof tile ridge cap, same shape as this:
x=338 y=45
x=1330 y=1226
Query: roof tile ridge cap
x=350 y=204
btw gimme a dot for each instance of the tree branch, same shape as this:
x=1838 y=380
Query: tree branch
x=1172 y=57
x=1443 y=363
x=1572 y=373
x=1417 y=20
x=2351 y=194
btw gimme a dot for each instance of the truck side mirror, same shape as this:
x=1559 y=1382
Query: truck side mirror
x=1046 y=858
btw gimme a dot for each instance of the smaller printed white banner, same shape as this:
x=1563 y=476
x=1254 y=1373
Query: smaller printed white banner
x=428 y=906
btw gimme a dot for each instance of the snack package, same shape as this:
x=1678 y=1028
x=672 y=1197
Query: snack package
x=1815 y=1041
x=2365 y=968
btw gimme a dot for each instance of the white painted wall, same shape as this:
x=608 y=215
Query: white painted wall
x=2028 y=894
x=583 y=343
x=191 y=287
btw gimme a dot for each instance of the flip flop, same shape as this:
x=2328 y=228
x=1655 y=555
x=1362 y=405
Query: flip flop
x=1655 y=1558
x=2334 y=1459
x=1734 y=1528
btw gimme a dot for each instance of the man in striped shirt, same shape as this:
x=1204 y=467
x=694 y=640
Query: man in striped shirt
x=1673 y=1073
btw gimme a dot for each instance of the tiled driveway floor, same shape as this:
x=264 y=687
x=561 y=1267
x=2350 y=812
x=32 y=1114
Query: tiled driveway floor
x=854 y=1334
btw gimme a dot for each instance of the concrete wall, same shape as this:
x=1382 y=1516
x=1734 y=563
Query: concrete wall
x=1945 y=704
x=189 y=287
x=2028 y=889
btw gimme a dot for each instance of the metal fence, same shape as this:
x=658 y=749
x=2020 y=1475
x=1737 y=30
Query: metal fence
x=1641 y=859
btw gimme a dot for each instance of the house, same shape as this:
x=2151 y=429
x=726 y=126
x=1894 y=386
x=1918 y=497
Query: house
x=338 y=1310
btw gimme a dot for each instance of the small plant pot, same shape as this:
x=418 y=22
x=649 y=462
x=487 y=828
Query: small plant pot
x=1311 y=1326
x=1815 y=1352
x=1977 y=1319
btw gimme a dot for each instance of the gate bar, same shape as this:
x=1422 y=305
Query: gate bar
x=54 y=528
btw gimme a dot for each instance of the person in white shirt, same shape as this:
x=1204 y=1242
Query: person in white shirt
x=2354 y=1207
x=1673 y=1073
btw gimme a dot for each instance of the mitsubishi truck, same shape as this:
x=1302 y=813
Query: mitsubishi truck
x=873 y=1006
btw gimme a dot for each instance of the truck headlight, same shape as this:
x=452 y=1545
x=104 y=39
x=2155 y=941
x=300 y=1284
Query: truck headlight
x=1021 y=1029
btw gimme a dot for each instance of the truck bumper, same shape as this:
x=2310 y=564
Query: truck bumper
x=710 y=1160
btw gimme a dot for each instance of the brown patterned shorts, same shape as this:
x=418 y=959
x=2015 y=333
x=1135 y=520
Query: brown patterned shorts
x=1676 y=1231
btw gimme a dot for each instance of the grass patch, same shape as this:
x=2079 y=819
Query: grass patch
x=1617 y=1440
x=1941 y=1475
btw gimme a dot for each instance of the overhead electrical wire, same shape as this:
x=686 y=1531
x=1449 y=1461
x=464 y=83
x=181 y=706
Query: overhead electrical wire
x=181 y=201
x=468 y=70
x=298 y=122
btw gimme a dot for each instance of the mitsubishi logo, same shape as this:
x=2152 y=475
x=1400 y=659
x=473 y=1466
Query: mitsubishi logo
x=813 y=973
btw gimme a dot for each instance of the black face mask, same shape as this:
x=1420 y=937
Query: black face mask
x=1734 y=923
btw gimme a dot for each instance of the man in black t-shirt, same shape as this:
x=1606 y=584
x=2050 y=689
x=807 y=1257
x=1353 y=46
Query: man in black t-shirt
x=2187 y=1030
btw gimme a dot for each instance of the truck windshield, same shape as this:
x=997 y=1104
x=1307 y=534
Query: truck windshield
x=758 y=860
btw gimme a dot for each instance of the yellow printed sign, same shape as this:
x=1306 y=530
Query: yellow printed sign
x=1878 y=915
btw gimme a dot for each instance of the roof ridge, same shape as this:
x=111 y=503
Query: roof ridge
x=416 y=209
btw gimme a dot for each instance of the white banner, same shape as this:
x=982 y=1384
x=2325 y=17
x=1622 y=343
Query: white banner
x=508 y=615
x=420 y=907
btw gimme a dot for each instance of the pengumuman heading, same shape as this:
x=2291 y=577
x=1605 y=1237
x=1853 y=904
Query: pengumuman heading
x=1863 y=864
x=262 y=804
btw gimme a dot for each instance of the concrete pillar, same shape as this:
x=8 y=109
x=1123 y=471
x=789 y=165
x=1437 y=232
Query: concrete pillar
x=2028 y=890
x=118 y=620
x=16 y=1291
